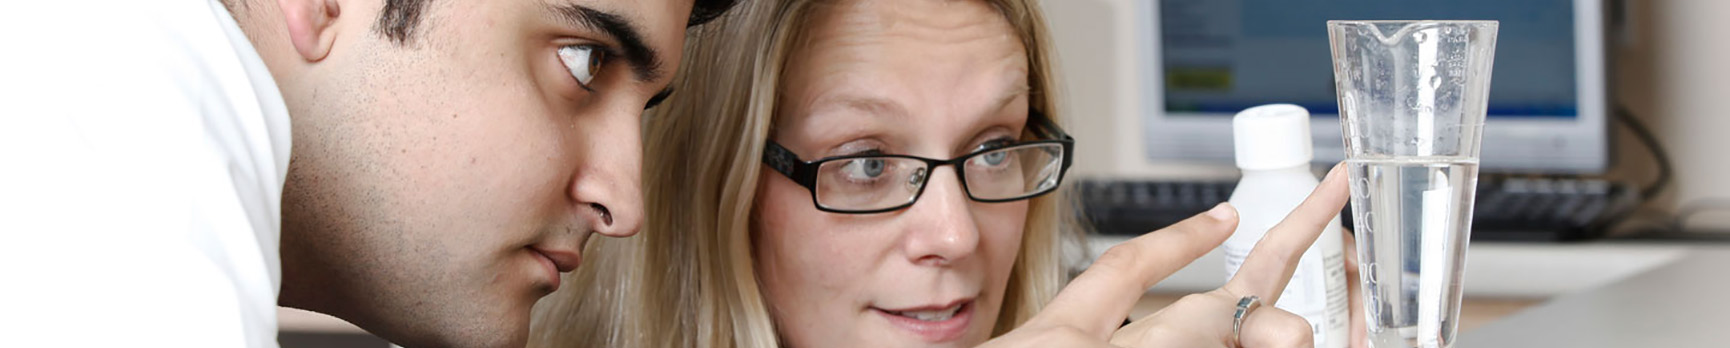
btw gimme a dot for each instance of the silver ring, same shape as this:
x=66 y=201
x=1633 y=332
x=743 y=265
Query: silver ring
x=1244 y=305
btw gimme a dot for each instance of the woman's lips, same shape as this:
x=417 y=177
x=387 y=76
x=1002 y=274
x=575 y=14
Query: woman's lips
x=932 y=324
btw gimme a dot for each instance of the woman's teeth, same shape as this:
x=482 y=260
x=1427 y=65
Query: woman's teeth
x=935 y=315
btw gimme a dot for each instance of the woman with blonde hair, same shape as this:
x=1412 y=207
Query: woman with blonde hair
x=879 y=173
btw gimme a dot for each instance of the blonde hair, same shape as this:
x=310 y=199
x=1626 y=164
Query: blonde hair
x=689 y=279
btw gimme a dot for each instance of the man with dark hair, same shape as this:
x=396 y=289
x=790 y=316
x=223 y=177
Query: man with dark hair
x=399 y=17
x=448 y=161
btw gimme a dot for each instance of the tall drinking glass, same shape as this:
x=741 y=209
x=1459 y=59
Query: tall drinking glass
x=1412 y=97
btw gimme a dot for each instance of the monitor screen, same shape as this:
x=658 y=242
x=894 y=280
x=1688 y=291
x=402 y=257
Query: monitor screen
x=1217 y=57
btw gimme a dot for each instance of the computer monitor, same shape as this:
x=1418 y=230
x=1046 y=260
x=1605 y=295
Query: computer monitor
x=1209 y=59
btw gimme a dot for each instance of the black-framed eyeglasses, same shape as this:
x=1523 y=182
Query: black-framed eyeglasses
x=876 y=183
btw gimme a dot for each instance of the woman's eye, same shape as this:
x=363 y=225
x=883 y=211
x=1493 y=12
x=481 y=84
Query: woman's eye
x=993 y=159
x=863 y=169
x=994 y=144
x=583 y=62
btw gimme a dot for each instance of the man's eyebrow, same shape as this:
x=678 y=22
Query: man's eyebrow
x=643 y=60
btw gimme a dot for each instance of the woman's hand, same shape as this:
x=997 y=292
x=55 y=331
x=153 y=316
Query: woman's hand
x=1182 y=316
x=1204 y=320
x=1088 y=312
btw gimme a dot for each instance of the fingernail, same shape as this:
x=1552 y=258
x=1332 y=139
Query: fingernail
x=1222 y=212
x=1336 y=171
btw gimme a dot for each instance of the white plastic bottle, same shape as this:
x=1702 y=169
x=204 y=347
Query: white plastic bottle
x=1274 y=151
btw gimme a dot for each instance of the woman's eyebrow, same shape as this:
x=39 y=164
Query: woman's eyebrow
x=1010 y=94
x=839 y=115
x=644 y=61
x=871 y=105
x=878 y=106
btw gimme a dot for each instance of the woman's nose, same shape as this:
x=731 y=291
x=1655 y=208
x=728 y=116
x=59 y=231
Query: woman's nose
x=942 y=229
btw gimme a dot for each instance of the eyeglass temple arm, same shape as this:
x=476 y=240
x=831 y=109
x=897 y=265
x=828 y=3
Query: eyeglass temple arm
x=783 y=160
x=1045 y=127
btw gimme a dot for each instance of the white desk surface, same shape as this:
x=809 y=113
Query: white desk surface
x=1493 y=269
x=1683 y=303
x=1601 y=294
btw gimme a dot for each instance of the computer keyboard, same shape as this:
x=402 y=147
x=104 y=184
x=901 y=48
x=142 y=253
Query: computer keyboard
x=1507 y=209
x=1546 y=209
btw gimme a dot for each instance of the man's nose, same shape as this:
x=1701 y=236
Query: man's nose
x=607 y=185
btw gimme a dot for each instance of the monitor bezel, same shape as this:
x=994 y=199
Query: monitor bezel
x=1513 y=144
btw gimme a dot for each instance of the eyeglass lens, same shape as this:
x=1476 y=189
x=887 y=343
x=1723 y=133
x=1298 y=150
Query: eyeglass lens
x=872 y=183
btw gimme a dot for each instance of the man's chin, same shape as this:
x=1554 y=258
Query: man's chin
x=464 y=339
x=439 y=325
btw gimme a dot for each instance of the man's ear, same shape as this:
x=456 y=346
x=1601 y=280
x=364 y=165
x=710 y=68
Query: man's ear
x=310 y=26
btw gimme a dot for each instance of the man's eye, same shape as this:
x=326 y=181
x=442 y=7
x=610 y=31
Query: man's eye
x=583 y=61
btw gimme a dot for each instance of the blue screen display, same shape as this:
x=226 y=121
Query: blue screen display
x=1223 y=56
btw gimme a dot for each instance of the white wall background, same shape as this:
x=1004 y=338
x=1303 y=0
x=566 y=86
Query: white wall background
x=1674 y=75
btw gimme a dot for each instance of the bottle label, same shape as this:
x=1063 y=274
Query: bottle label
x=1339 y=316
x=1324 y=304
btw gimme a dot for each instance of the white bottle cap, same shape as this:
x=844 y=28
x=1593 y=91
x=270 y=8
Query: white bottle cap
x=1272 y=136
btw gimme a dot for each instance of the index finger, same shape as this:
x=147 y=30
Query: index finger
x=1268 y=267
x=1098 y=300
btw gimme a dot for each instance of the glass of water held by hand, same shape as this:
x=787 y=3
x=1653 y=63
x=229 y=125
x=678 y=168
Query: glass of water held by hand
x=1412 y=98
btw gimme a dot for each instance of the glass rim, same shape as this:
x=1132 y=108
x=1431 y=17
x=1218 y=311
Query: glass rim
x=1332 y=22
